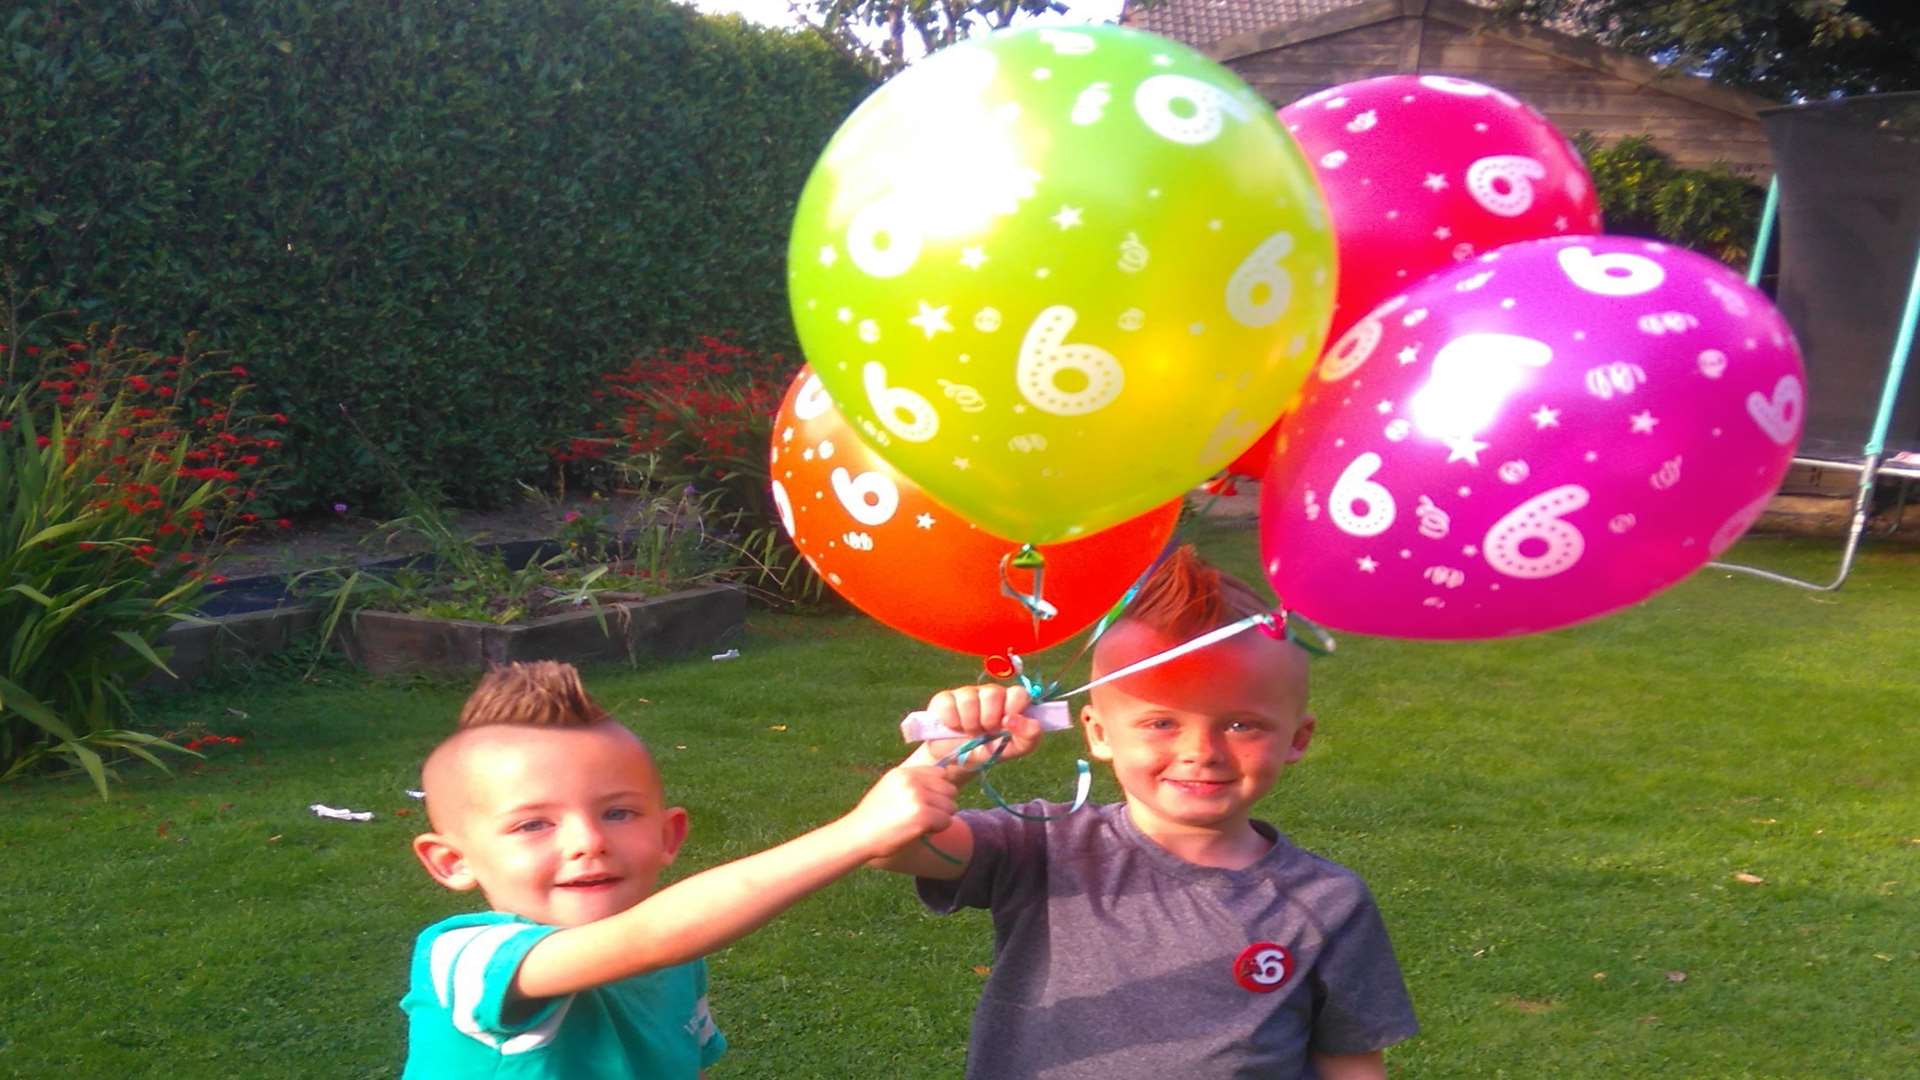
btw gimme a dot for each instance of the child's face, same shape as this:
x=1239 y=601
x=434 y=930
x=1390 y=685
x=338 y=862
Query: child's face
x=1196 y=742
x=560 y=825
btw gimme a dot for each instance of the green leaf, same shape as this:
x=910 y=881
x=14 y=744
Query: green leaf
x=14 y=697
x=139 y=644
x=56 y=531
x=31 y=593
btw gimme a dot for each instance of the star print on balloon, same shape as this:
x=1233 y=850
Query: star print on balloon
x=1585 y=421
x=1424 y=171
x=920 y=568
x=1058 y=276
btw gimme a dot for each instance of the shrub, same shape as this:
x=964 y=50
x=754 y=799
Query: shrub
x=1643 y=193
x=443 y=217
x=701 y=417
x=120 y=470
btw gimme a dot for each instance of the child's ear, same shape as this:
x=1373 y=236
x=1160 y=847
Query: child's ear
x=673 y=831
x=1302 y=735
x=1096 y=734
x=443 y=860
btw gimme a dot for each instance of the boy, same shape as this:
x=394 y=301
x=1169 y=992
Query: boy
x=1171 y=935
x=553 y=810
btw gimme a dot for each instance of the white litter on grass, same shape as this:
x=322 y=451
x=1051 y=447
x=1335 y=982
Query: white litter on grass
x=416 y=793
x=338 y=814
x=730 y=654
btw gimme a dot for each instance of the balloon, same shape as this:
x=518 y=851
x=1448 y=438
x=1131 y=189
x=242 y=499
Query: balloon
x=1423 y=171
x=1059 y=276
x=919 y=567
x=1252 y=463
x=1533 y=438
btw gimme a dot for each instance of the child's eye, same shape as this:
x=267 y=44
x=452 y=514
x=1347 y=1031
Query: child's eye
x=530 y=825
x=621 y=813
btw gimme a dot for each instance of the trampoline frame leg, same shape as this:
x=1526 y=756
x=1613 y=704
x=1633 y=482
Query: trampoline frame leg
x=1857 y=528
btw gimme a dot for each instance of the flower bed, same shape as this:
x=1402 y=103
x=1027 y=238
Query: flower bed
x=616 y=627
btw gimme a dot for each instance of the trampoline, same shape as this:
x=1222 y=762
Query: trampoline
x=1846 y=196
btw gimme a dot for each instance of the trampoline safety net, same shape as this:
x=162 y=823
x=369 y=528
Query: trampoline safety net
x=1849 y=174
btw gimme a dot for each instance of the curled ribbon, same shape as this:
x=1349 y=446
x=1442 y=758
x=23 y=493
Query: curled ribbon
x=1035 y=601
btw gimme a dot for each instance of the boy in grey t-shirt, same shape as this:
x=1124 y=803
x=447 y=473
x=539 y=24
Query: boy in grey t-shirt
x=1171 y=934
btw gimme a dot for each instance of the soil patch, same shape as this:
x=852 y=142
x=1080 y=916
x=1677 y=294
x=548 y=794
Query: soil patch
x=349 y=540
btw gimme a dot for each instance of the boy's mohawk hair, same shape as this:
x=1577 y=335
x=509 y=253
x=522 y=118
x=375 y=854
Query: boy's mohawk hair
x=1187 y=596
x=542 y=693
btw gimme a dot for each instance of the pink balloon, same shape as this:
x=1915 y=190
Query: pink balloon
x=1546 y=433
x=1424 y=171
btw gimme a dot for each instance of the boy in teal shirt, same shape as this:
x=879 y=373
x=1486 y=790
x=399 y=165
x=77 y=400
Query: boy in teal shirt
x=554 y=811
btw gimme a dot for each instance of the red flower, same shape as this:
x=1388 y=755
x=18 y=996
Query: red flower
x=238 y=370
x=164 y=391
x=283 y=523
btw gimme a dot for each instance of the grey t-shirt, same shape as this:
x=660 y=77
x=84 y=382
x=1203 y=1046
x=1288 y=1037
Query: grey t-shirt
x=1114 y=958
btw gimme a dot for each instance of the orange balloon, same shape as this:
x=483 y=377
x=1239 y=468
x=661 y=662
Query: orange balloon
x=920 y=568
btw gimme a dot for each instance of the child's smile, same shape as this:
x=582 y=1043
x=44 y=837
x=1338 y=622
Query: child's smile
x=564 y=825
x=1196 y=742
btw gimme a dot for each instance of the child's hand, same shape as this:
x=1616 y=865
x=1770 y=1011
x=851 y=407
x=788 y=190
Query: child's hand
x=909 y=802
x=987 y=709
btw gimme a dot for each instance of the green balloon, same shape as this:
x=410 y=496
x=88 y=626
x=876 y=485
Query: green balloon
x=1059 y=276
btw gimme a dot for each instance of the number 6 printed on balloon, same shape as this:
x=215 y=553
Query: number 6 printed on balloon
x=1204 y=116
x=1486 y=176
x=904 y=412
x=812 y=400
x=1356 y=485
x=1044 y=355
x=883 y=239
x=1617 y=273
x=871 y=498
x=1260 y=270
x=1539 y=520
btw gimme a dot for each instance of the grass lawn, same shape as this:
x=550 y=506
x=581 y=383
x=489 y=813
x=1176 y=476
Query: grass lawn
x=1682 y=841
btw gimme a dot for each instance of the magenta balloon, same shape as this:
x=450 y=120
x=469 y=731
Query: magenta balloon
x=1424 y=171
x=1529 y=439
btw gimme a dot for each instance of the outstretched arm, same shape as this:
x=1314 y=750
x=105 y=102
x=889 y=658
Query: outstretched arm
x=719 y=906
x=974 y=710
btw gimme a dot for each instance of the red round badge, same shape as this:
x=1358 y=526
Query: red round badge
x=1263 y=967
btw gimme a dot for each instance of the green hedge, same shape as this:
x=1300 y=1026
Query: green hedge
x=1643 y=193
x=437 y=221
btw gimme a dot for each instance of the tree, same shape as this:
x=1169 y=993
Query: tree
x=1785 y=49
x=877 y=31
